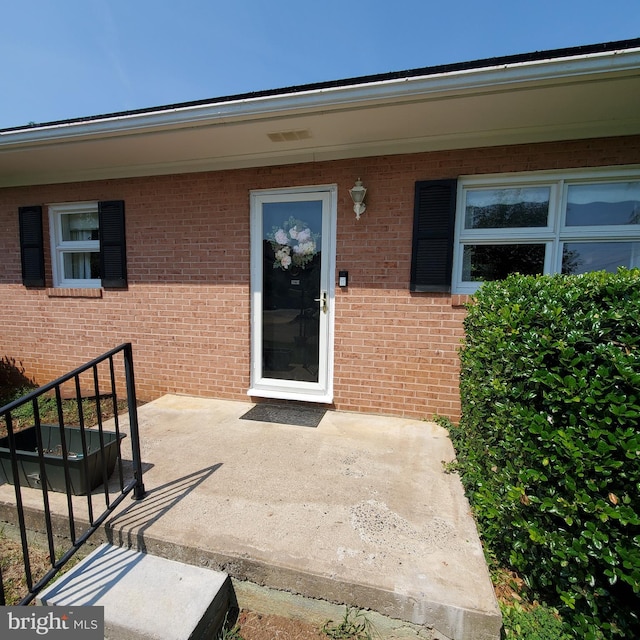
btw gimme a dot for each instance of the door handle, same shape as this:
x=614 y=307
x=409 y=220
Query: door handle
x=323 y=301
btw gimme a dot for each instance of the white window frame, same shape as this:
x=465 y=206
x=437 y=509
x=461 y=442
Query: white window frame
x=60 y=247
x=554 y=234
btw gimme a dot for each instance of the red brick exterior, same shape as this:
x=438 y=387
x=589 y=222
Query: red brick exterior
x=186 y=309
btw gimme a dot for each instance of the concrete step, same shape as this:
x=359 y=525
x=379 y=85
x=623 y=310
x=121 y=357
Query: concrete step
x=144 y=597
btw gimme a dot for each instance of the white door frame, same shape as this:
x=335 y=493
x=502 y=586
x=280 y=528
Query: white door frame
x=261 y=386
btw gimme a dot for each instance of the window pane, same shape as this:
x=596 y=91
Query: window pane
x=483 y=262
x=507 y=208
x=616 y=203
x=79 y=226
x=81 y=266
x=580 y=257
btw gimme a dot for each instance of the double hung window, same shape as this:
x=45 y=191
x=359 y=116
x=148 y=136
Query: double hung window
x=75 y=244
x=534 y=224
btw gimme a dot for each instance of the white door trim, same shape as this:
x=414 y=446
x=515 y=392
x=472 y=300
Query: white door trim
x=260 y=386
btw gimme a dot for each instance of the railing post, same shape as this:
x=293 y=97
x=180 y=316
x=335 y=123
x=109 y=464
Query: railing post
x=132 y=405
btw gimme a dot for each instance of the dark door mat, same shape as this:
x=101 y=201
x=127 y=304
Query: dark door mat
x=307 y=417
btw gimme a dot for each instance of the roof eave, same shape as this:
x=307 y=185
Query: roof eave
x=508 y=102
x=493 y=79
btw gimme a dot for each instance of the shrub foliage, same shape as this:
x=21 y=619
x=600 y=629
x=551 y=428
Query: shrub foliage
x=549 y=442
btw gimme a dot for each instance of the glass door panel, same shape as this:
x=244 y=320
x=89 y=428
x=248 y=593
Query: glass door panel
x=292 y=254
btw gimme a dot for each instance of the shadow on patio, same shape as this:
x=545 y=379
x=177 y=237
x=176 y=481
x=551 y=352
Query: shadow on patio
x=357 y=510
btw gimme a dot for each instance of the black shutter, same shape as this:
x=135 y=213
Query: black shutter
x=113 y=255
x=433 y=224
x=31 y=246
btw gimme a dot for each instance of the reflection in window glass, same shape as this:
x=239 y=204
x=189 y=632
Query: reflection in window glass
x=292 y=254
x=484 y=262
x=507 y=208
x=614 y=203
x=580 y=257
x=79 y=226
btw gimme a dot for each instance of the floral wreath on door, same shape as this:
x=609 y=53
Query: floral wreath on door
x=294 y=244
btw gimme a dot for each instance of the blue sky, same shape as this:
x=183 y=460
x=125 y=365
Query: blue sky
x=63 y=59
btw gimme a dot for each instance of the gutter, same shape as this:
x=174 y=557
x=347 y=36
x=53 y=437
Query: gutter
x=413 y=86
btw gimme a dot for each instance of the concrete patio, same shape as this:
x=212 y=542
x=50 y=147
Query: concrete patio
x=356 y=511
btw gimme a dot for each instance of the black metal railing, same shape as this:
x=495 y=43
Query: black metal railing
x=103 y=387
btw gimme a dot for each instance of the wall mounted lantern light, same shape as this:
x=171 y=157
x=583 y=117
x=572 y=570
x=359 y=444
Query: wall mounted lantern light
x=358 y=193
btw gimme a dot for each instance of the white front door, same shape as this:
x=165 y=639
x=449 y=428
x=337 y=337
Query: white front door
x=292 y=291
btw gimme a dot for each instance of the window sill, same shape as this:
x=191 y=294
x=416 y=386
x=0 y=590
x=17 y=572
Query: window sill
x=74 y=293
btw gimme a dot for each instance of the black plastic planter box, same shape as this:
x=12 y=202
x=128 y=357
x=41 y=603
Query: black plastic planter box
x=83 y=478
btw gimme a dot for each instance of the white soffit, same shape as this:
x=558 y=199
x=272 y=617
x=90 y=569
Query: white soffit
x=596 y=95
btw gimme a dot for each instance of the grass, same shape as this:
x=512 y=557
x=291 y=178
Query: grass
x=524 y=618
x=227 y=632
x=13 y=578
x=536 y=622
x=22 y=417
x=12 y=566
x=354 y=626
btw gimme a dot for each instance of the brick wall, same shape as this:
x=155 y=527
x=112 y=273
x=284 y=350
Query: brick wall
x=186 y=309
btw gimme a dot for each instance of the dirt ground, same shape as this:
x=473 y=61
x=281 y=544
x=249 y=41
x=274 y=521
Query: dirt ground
x=255 y=626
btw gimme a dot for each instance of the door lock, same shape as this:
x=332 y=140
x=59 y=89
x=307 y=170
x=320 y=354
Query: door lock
x=323 y=301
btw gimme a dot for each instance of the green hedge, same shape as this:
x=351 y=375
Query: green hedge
x=548 y=445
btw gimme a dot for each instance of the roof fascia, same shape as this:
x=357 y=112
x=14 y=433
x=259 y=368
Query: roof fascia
x=493 y=79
